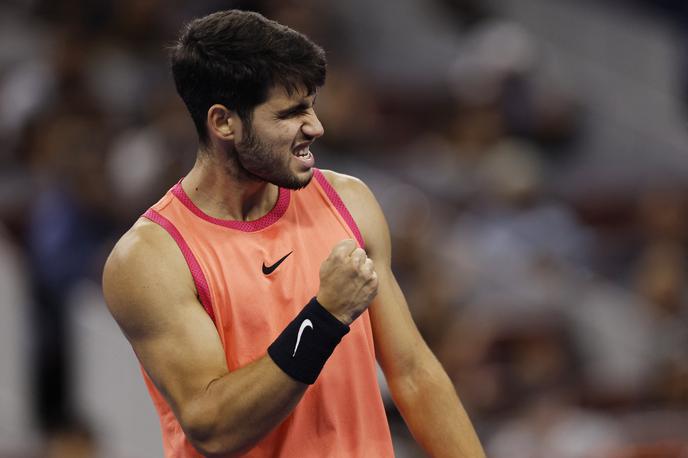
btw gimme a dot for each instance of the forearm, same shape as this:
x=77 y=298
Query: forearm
x=249 y=402
x=240 y=408
x=433 y=412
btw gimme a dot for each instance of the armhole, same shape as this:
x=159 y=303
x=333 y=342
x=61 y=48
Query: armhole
x=337 y=202
x=195 y=268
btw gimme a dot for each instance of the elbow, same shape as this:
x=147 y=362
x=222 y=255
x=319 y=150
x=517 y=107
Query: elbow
x=213 y=449
x=207 y=445
x=418 y=379
x=201 y=429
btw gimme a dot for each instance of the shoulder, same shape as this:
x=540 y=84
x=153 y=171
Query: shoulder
x=364 y=209
x=142 y=245
x=340 y=179
x=144 y=271
x=353 y=191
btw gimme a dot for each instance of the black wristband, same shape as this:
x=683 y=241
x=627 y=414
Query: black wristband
x=307 y=342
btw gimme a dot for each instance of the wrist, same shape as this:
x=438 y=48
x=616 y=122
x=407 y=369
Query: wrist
x=344 y=318
x=304 y=346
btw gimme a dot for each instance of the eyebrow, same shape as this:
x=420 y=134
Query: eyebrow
x=303 y=105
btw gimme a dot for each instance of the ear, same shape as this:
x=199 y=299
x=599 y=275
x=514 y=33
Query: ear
x=221 y=122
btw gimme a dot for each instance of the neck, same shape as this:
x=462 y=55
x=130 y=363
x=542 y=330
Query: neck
x=221 y=191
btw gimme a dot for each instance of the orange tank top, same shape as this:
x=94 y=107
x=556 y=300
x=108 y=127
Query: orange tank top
x=341 y=415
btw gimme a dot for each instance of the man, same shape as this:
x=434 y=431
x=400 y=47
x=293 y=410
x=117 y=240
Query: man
x=248 y=303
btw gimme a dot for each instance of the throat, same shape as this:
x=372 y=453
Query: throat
x=255 y=206
x=222 y=196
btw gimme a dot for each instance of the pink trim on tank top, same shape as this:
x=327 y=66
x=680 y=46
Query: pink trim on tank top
x=247 y=226
x=339 y=205
x=194 y=267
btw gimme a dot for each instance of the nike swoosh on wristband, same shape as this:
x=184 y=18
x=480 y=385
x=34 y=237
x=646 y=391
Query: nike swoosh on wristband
x=267 y=270
x=306 y=324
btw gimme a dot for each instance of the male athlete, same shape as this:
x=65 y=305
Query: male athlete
x=257 y=293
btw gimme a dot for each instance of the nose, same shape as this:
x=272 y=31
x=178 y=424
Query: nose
x=312 y=127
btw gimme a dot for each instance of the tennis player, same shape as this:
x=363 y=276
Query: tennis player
x=257 y=293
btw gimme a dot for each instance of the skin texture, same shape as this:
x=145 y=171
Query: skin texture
x=419 y=385
x=257 y=160
x=259 y=155
x=151 y=294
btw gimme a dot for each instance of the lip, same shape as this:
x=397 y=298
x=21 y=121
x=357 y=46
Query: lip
x=306 y=161
x=302 y=145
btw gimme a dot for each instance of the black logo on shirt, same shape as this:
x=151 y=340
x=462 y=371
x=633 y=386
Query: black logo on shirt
x=267 y=270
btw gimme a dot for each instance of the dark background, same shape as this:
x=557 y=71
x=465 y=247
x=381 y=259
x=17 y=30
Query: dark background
x=531 y=157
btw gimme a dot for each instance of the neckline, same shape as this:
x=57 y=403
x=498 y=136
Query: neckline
x=264 y=221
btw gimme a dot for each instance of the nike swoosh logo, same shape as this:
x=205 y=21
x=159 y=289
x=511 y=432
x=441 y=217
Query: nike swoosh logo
x=306 y=324
x=267 y=270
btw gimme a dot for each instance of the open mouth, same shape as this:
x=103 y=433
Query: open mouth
x=304 y=155
x=303 y=151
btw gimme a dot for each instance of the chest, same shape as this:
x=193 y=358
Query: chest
x=260 y=281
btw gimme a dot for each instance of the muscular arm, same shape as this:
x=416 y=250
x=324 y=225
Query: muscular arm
x=151 y=294
x=419 y=385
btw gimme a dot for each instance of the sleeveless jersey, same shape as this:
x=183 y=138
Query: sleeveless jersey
x=341 y=415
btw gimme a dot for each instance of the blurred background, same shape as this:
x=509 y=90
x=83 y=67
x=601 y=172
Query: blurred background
x=531 y=157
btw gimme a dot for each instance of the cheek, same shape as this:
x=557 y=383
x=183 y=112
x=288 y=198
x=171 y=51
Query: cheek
x=284 y=130
x=277 y=136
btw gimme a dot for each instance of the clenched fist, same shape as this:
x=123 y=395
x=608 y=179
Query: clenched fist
x=348 y=281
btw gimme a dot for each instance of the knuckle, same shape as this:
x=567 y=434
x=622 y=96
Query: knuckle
x=341 y=245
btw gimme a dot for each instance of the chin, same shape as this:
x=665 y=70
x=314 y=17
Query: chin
x=301 y=180
x=306 y=175
x=293 y=180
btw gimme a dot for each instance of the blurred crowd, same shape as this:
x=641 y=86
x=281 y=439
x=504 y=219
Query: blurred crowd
x=553 y=293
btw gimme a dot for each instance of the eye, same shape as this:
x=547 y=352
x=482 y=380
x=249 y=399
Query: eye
x=296 y=112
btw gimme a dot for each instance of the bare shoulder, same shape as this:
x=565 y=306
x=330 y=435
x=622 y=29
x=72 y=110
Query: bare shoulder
x=146 y=245
x=143 y=272
x=353 y=191
x=364 y=209
x=150 y=292
x=142 y=240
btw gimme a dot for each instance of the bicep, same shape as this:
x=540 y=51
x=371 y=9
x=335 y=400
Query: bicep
x=150 y=293
x=398 y=344
x=397 y=340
